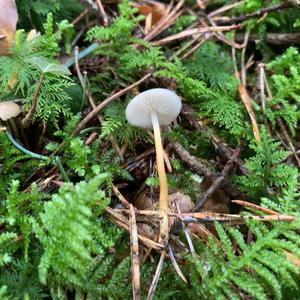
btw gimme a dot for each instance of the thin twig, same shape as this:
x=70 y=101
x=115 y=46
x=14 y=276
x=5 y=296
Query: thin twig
x=135 y=260
x=191 y=160
x=85 y=87
x=28 y=118
x=207 y=216
x=102 y=12
x=122 y=199
x=108 y=100
x=218 y=181
x=234 y=219
x=278 y=119
x=243 y=68
x=255 y=206
x=124 y=223
x=255 y=14
x=247 y=103
x=190 y=32
x=80 y=17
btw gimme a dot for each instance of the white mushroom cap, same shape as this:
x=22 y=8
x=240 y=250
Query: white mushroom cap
x=9 y=110
x=165 y=103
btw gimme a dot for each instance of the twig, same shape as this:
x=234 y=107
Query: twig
x=193 y=31
x=156 y=276
x=122 y=199
x=234 y=219
x=122 y=222
x=225 y=8
x=28 y=118
x=78 y=19
x=191 y=160
x=135 y=261
x=208 y=217
x=255 y=206
x=274 y=38
x=262 y=86
x=255 y=14
x=102 y=12
x=226 y=152
x=243 y=68
x=108 y=100
x=218 y=181
x=246 y=100
x=84 y=85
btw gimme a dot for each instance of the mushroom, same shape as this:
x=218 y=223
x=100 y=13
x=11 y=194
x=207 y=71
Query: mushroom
x=152 y=109
x=8 y=110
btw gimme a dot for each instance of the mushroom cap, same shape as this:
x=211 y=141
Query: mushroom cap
x=165 y=103
x=9 y=109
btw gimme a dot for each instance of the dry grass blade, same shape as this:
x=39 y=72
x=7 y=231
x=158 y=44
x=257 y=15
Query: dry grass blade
x=156 y=276
x=135 y=260
x=245 y=98
x=175 y=264
x=186 y=232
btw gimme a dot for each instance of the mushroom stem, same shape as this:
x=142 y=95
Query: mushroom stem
x=163 y=183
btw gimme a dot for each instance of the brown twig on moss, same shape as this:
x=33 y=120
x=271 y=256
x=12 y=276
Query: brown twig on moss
x=218 y=181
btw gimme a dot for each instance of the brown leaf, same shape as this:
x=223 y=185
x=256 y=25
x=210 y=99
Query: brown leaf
x=8 y=23
x=156 y=9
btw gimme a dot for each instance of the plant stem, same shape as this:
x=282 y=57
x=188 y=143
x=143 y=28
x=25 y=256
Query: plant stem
x=56 y=159
x=28 y=118
x=163 y=183
x=24 y=150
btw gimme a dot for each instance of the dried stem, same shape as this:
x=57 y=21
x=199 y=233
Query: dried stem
x=28 y=118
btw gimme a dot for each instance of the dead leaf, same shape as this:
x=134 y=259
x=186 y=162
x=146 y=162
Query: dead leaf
x=8 y=23
x=153 y=11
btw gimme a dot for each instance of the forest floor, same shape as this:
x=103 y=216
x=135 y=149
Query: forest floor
x=149 y=149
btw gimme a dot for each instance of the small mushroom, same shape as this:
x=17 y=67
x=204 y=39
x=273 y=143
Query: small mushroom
x=8 y=110
x=152 y=109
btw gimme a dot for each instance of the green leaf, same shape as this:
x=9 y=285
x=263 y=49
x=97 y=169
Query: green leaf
x=46 y=66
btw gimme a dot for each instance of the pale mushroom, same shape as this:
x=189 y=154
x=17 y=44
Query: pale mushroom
x=152 y=109
x=8 y=110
